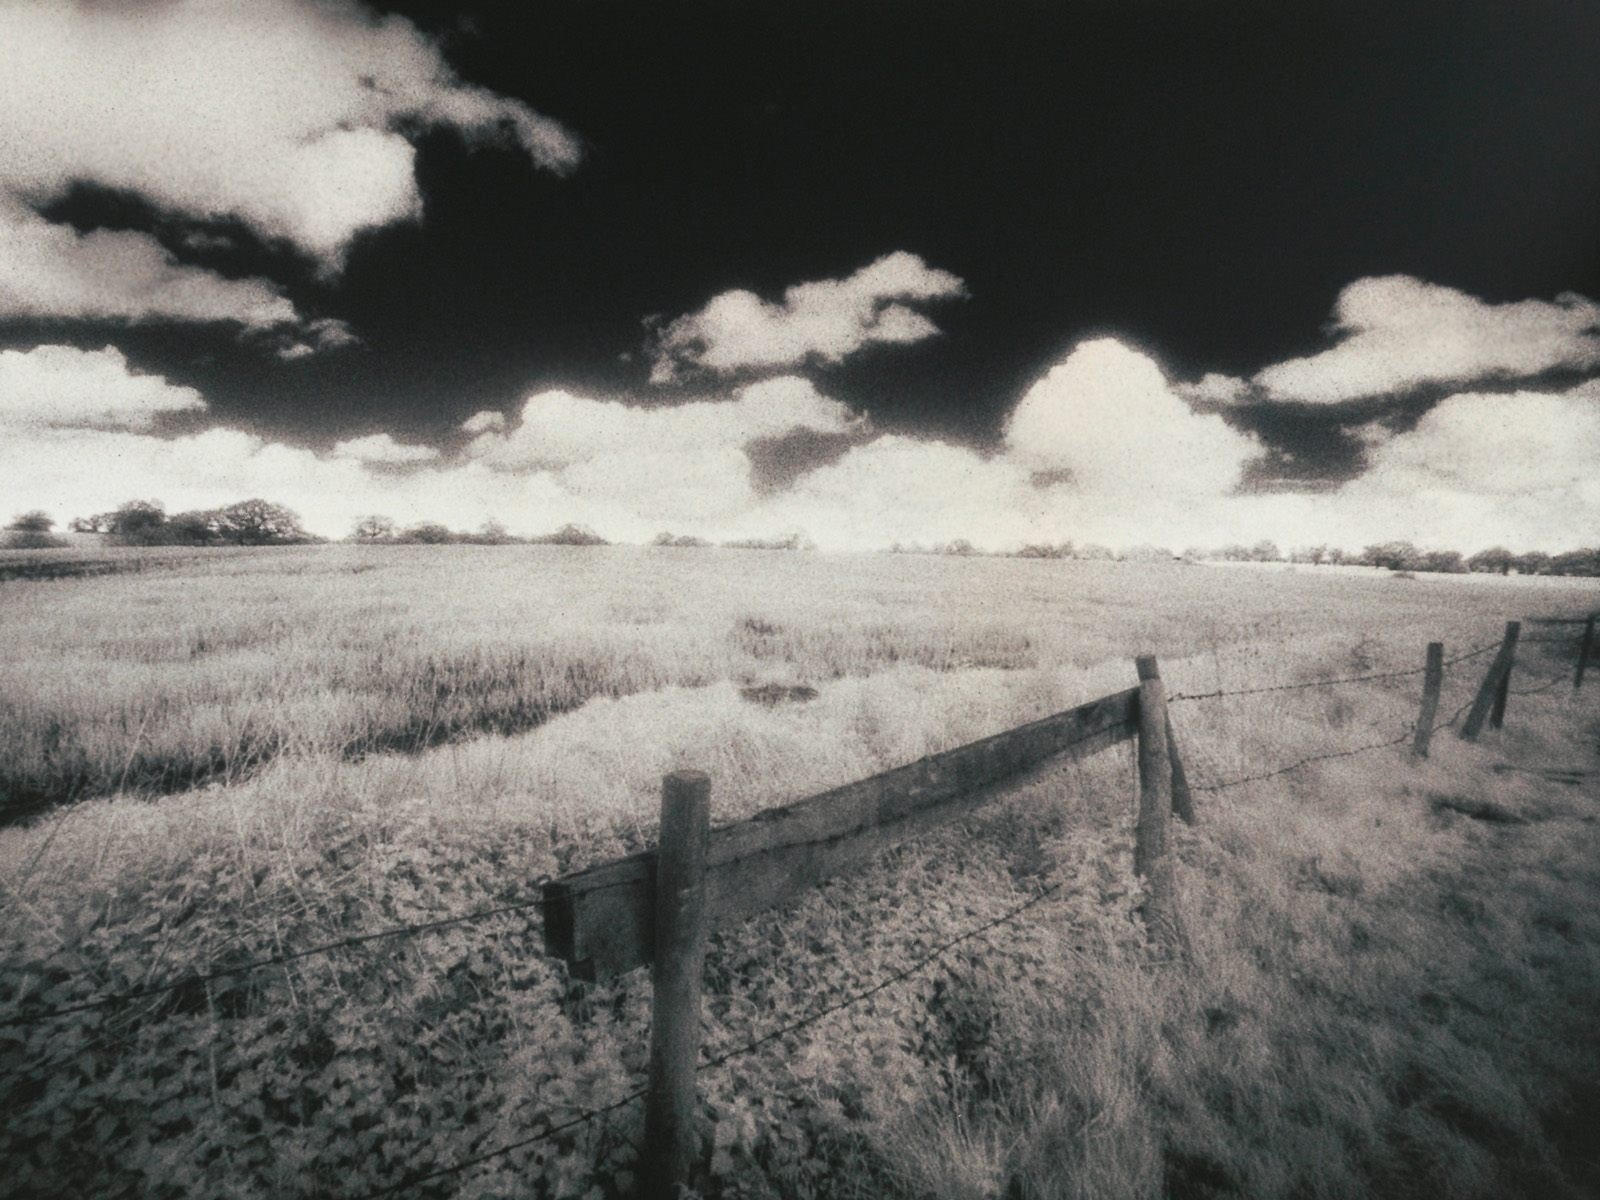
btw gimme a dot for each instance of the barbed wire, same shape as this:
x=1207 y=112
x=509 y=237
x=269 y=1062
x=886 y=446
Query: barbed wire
x=1543 y=687
x=477 y=1160
x=203 y=977
x=1291 y=687
x=1295 y=766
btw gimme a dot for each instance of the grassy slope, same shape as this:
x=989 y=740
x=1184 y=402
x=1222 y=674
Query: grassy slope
x=1378 y=999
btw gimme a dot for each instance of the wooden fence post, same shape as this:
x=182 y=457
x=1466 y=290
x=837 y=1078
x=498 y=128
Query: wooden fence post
x=1182 y=797
x=1155 y=802
x=1432 y=682
x=1489 y=689
x=1585 y=648
x=671 y=1140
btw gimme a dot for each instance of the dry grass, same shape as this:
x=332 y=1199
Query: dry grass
x=208 y=664
x=1378 y=997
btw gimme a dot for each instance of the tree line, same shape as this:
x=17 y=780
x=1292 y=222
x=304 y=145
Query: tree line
x=258 y=522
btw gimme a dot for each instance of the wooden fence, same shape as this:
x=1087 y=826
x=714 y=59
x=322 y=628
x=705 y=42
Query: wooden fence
x=657 y=908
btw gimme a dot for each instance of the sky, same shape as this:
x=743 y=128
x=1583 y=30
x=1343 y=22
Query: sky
x=1179 y=272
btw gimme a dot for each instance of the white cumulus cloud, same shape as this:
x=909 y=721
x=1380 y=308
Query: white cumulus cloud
x=1397 y=333
x=828 y=319
x=291 y=116
x=51 y=270
x=62 y=387
x=1108 y=415
x=382 y=448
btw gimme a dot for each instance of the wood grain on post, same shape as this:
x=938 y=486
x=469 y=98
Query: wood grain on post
x=671 y=1143
x=1432 y=683
x=1585 y=648
x=599 y=920
x=1155 y=802
x=1182 y=797
x=1489 y=689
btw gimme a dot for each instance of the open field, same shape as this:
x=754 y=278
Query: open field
x=271 y=749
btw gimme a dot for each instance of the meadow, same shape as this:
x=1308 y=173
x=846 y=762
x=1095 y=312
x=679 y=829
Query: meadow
x=223 y=756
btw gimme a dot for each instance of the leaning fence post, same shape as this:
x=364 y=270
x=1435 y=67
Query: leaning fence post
x=671 y=1142
x=1432 y=683
x=1489 y=689
x=1497 y=714
x=1155 y=801
x=1584 y=649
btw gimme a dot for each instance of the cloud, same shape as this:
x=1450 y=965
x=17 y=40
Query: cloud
x=54 y=271
x=829 y=320
x=327 y=333
x=1215 y=388
x=382 y=448
x=556 y=429
x=1100 y=449
x=289 y=115
x=1107 y=415
x=1398 y=333
x=62 y=387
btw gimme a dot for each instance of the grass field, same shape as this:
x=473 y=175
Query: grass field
x=265 y=750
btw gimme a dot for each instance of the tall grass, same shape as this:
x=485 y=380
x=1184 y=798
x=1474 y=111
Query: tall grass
x=204 y=669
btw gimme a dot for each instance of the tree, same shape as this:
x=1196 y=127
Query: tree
x=375 y=528
x=1444 y=562
x=136 y=520
x=960 y=548
x=1577 y=562
x=492 y=533
x=1535 y=562
x=429 y=533
x=1496 y=561
x=98 y=523
x=36 y=521
x=572 y=534
x=687 y=540
x=1395 y=556
x=258 y=523
x=1265 y=550
x=197 y=527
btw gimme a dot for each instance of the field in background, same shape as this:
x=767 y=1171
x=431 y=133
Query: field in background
x=205 y=664
x=296 y=745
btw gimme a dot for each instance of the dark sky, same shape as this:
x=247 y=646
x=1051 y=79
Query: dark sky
x=1198 y=178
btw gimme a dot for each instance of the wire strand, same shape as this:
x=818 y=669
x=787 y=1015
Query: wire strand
x=1291 y=687
x=202 y=977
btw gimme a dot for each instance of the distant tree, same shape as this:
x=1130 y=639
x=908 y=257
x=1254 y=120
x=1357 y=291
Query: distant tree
x=1266 y=550
x=30 y=539
x=198 y=527
x=136 y=520
x=1233 y=553
x=258 y=522
x=98 y=523
x=428 y=533
x=492 y=533
x=1315 y=555
x=788 y=541
x=374 y=528
x=960 y=548
x=1577 y=562
x=571 y=535
x=666 y=538
x=1395 y=556
x=1146 y=553
x=1444 y=562
x=1535 y=562
x=1497 y=561
x=36 y=521
x=1094 y=552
